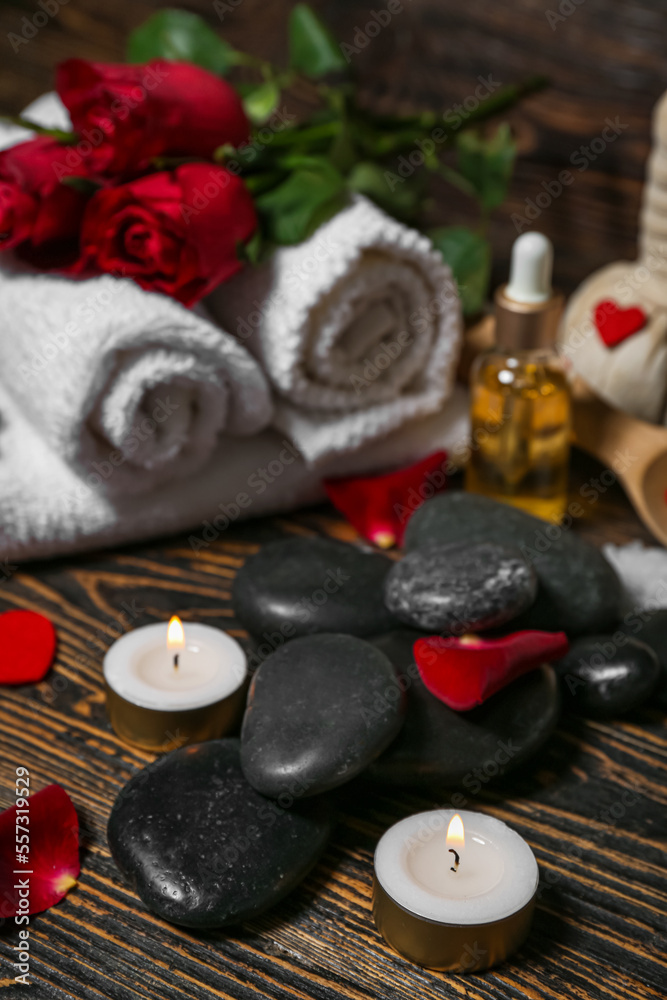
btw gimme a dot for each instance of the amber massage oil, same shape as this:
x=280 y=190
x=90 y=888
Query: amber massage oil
x=520 y=400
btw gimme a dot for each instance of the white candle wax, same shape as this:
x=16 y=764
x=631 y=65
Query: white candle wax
x=156 y=701
x=427 y=888
x=140 y=668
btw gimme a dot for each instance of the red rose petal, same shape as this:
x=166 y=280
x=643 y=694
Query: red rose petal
x=53 y=852
x=379 y=507
x=465 y=672
x=27 y=647
x=615 y=324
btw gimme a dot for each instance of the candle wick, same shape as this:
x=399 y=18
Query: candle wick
x=457 y=860
x=175 y=660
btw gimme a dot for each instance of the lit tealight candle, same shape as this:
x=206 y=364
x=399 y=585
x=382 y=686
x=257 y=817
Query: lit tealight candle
x=168 y=685
x=454 y=891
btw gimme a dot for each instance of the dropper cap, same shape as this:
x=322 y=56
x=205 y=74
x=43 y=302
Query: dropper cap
x=527 y=308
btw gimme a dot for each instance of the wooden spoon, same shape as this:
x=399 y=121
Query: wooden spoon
x=634 y=450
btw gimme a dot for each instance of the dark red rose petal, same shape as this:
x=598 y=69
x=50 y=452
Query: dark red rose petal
x=27 y=647
x=465 y=672
x=615 y=324
x=53 y=852
x=379 y=507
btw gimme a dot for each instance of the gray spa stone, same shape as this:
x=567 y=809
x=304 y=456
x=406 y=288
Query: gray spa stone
x=320 y=709
x=301 y=586
x=460 y=587
x=202 y=847
x=603 y=679
x=439 y=748
x=578 y=590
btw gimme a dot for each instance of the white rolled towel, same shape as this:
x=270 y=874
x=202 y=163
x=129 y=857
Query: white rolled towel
x=121 y=383
x=358 y=329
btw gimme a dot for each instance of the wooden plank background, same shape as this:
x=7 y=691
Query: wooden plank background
x=605 y=59
x=591 y=805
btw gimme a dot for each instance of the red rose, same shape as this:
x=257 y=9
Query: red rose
x=174 y=232
x=35 y=207
x=126 y=115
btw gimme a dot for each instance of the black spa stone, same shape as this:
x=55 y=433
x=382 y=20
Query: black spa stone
x=651 y=627
x=202 y=847
x=578 y=590
x=439 y=748
x=320 y=709
x=603 y=679
x=300 y=586
x=460 y=587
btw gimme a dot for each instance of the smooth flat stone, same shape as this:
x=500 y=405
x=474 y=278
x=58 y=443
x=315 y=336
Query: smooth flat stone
x=460 y=587
x=301 y=586
x=438 y=747
x=320 y=709
x=651 y=627
x=202 y=847
x=578 y=590
x=602 y=679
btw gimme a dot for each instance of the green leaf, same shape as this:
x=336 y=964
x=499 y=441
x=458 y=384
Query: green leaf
x=261 y=102
x=82 y=184
x=469 y=256
x=313 y=49
x=312 y=193
x=395 y=195
x=487 y=164
x=182 y=37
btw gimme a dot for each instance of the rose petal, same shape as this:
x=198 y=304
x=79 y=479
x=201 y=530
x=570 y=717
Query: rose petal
x=53 y=854
x=379 y=507
x=465 y=672
x=27 y=647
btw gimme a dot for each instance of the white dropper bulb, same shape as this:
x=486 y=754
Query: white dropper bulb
x=531 y=269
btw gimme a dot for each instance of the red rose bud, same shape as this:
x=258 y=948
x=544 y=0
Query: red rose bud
x=126 y=115
x=465 y=672
x=48 y=850
x=27 y=647
x=35 y=206
x=379 y=507
x=174 y=232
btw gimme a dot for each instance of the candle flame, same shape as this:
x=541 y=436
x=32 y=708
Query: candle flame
x=175 y=634
x=455 y=833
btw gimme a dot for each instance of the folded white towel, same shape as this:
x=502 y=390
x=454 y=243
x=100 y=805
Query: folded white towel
x=47 y=508
x=358 y=329
x=121 y=382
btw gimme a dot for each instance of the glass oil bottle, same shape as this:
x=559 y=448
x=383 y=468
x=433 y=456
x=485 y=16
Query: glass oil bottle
x=520 y=400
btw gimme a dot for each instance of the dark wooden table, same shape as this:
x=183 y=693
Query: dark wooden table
x=591 y=805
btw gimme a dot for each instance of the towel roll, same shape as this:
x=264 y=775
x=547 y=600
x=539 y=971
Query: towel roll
x=123 y=384
x=358 y=329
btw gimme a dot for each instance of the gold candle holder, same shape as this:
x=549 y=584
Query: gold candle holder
x=161 y=697
x=454 y=909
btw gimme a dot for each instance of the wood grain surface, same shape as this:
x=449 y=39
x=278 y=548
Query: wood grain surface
x=605 y=59
x=591 y=805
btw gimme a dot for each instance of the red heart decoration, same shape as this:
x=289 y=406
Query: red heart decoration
x=27 y=647
x=615 y=324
